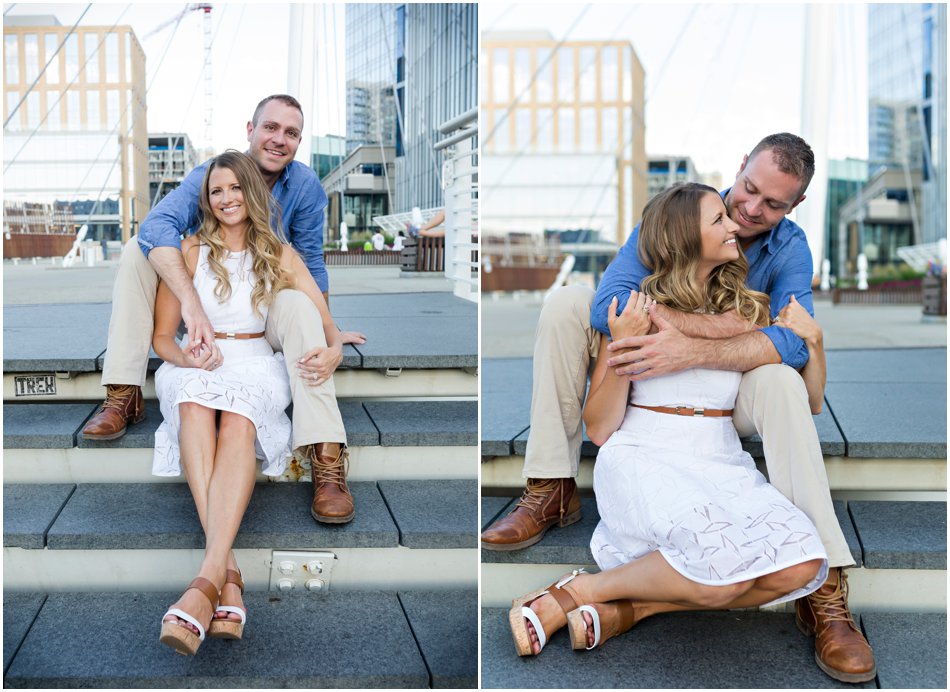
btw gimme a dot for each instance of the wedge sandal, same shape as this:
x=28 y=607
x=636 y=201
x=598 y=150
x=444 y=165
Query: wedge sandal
x=520 y=611
x=222 y=628
x=179 y=637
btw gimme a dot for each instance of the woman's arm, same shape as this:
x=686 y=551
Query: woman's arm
x=319 y=361
x=796 y=318
x=609 y=392
x=168 y=317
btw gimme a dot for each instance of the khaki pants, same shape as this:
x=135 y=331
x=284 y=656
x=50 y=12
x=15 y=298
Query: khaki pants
x=293 y=327
x=772 y=401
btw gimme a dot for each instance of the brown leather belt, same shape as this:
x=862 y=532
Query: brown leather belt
x=232 y=335
x=687 y=411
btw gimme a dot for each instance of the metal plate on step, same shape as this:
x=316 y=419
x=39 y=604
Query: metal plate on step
x=301 y=572
x=35 y=385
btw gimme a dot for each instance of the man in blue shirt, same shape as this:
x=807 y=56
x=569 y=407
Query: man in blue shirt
x=772 y=401
x=273 y=136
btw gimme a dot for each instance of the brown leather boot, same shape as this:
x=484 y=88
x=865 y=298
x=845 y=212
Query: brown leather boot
x=332 y=502
x=840 y=648
x=124 y=404
x=545 y=502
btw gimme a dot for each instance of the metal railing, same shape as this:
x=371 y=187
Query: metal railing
x=459 y=181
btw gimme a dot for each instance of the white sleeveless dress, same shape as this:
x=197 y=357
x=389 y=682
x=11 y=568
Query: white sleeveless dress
x=252 y=380
x=683 y=486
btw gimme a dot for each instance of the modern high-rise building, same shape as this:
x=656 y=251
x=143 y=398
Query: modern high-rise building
x=326 y=153
x=563 y=143
x=663 y=171
x=74 y=121
x=907 y=67
x=410 y=68
x=170 y=158
x=845 y=180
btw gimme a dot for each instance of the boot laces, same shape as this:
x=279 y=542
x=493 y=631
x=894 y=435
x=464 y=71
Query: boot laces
x=833 y=606
x=331 y=470
x=117 y=397
x=535 y=493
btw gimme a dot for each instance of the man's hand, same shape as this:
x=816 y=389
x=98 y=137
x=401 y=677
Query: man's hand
x=352 y=338
x=316 y=366
x=200 y=332
x=665 y=352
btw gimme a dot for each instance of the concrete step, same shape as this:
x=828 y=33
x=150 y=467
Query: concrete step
x=405 y=639
x=115 y=536
x=899 y=547
x=716 y=650
x=388 y=439
x=418 y=345
x=884 y=426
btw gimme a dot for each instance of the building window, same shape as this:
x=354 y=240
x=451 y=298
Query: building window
x=112 y=108
x=72 y=58
x=610 y=130
x=128 y=56
x=11 y=59
x=13 y=98
x=92 y=58
x=608 y=73
x=31 y=51
x=565 y=75
x=588 y=130
x=627 y=75
x=523 y=133
x=565 y=130
x=500 y=75
x=112 y=58
x=73 y=113
x=544 y=88
x=52 y=113
x=33 y=110
x=545 y=137
x=52 y=70
x=522 y=73
x=93 y=111
x=588 y=74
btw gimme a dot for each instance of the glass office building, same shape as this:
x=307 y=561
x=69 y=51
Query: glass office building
x=410 y=68
x=907 y=63
x=74 y=121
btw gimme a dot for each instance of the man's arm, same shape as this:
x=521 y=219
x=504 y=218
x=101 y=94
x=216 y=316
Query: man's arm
x=305 y=230
x=160 y=239
x=669 y=350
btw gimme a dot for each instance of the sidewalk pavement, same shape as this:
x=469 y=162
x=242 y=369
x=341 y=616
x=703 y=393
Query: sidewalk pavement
x=42 y=283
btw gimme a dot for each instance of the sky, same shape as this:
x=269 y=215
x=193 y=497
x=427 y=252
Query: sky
x=249 y=61
x=719 y=76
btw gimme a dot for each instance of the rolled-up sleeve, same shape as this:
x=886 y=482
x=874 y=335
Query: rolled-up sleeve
x=305 y=230
x=622 y=275
x=792 y=277
x=175 y=215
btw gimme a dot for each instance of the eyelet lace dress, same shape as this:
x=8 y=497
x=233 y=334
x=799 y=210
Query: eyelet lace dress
x=252 y=380
x=684 y=486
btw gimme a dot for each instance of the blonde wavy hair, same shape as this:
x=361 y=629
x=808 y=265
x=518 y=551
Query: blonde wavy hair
x=671 y=247
x=263 y=244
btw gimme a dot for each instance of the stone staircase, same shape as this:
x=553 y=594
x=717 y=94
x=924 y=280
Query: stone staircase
x=95 y=548
x=883 y=434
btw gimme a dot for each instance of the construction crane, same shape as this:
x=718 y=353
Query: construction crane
x=204 y=8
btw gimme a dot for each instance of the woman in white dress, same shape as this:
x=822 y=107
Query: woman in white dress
x=222 y=413
x=686 y=520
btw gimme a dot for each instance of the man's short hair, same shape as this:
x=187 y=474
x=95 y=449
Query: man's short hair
x=286 y=99
x=791 y=154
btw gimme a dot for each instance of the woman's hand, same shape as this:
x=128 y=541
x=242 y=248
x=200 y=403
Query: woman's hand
x=202 y=357
x=635 y=318
x=318 y=365
x=793 y=316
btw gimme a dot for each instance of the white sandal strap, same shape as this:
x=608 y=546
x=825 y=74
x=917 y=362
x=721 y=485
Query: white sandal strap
x=533 y=617
x=182 y=615
x=231 y=609
x=595 y=618
x=570 y=577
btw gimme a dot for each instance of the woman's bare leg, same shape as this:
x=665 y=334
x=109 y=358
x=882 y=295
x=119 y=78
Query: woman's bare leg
x=220 y=473
x=656 y=587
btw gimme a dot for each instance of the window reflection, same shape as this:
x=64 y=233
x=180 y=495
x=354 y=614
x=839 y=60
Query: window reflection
x=52 y=70
x=11 y=59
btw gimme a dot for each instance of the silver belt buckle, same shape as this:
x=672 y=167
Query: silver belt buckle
x=229 y=335
x=699 y=412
